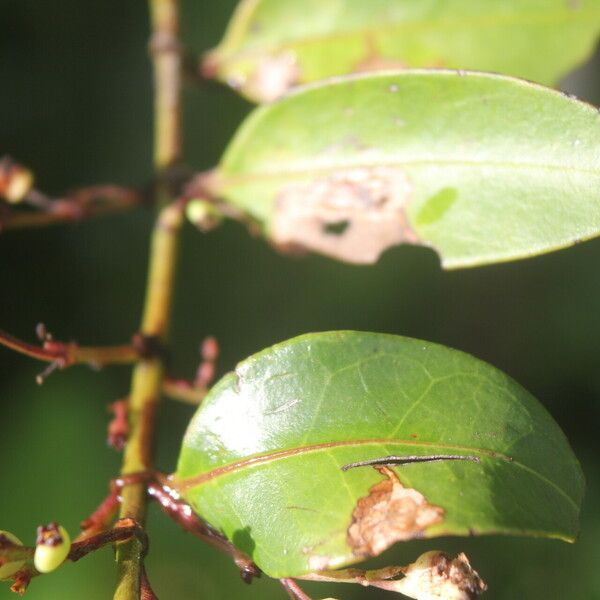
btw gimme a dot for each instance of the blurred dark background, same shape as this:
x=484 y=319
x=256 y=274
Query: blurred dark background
x=75 y=105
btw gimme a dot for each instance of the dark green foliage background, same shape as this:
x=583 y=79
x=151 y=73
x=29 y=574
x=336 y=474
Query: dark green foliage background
x=75 y=105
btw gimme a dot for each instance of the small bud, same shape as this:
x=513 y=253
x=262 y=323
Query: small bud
x=203 y=214
x=15 y=180
x=52 y=547
x=435 y=576
x=10 y=568
x=210 y=348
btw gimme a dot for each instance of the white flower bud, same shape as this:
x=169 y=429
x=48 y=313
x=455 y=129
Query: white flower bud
x=10 y=568
x=52 y=547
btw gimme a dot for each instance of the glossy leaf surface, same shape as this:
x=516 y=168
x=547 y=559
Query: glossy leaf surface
x=482 y=168
x=262 y=457
x=272 y=45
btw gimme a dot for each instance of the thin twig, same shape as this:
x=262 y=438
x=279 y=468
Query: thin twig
x=66 y=354
x=85 y=203
x=102 y=517
x=148 y=374
x=182 y=513
x=193 y=392
x=184 y=391
x=294 y=591
x=61 y=355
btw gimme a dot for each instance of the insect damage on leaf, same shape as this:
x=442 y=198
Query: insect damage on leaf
x=390 y=513
x=436 y=575
x=353 y=215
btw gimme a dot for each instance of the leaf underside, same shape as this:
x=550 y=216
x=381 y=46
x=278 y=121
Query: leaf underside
x=262 y=458
x=272 y=45
x=482 y=168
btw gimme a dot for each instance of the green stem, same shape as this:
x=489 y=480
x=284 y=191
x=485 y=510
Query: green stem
x=148 y=374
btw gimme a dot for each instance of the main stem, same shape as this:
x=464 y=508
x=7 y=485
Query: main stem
x=148 y=374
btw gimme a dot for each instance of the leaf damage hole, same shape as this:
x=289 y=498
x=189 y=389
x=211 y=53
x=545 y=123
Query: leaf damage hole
x=338 y=228
x=352 y=214
x=390 y=513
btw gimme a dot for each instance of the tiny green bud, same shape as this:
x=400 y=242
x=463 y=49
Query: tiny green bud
x=52 y=547
x=203 y=214
x=10 y=568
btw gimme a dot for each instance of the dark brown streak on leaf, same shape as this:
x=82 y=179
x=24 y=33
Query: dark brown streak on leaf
x=352 y=215
x=293 y=507
x=407 y=460
x=390 y=513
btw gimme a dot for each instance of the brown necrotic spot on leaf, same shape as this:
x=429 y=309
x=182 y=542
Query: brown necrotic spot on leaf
x=390 y=513
x=352 y=215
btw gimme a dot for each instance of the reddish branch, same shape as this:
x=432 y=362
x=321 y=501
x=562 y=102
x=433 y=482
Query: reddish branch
x=294 y=591
x=97 y=532
x=157 y=487
x=183 y=390
x=146 y=591
x=193 y=392
x=123 y=529
x=183 y=514
x=61 y=355
x=102 y=517
x=16 y=187
x=82 y=204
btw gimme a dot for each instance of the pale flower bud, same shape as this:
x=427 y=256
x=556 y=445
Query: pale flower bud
x=52 y=547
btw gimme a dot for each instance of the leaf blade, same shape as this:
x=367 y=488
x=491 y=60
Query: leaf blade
x=323 y=38
x=279 y=469
x=517 y=166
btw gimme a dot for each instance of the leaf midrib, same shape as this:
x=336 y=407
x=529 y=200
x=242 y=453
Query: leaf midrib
x=188 y=482
x=527 y=19
x=181 y=485
x=231 y=179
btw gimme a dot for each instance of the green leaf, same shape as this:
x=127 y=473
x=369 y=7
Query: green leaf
x=272 y=45
x=262 y=458
x=482 y=168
